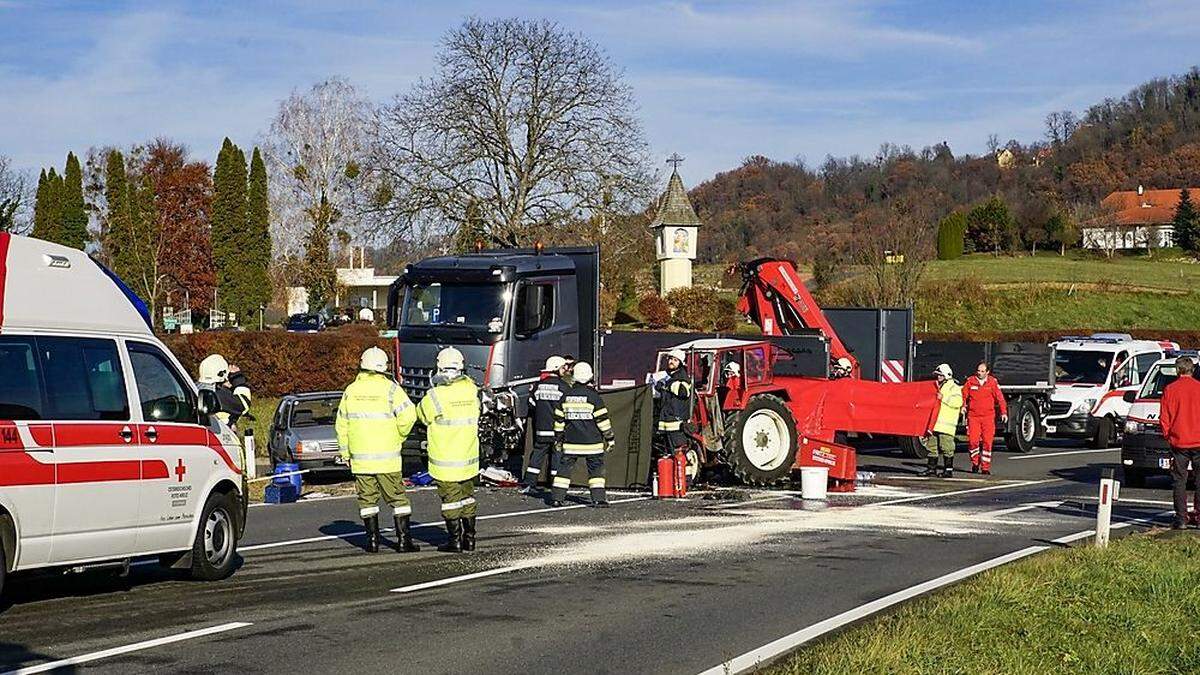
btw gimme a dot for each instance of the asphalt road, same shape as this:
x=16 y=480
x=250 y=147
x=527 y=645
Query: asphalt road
x=646 y=586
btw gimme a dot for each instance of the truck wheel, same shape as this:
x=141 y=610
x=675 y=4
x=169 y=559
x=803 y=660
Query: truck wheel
x=215 y=547
x=1027 y=427
x=1105 y=434
x=911 y=446
x=761 y=446
x=1135 y=478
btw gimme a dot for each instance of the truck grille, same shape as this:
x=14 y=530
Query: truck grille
x=1058 y=408
x=416 y=381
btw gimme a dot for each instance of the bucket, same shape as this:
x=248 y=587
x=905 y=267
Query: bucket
x=814 y=482
x=294 y=480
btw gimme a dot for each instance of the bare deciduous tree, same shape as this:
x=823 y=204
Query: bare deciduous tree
x=525 y=124
x=314 y=152
x=14 y=196
x=893 y=242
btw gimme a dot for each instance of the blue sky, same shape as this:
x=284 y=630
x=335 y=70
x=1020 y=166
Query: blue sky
x=716 y=81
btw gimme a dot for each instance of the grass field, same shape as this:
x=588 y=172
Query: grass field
x=1162 y=271
x=1127 y=609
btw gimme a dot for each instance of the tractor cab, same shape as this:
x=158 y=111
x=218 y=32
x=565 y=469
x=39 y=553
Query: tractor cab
x=724 y=368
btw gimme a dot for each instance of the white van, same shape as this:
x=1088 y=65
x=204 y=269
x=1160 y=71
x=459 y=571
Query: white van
x=1144 y=451
x=1091 y=376
x=106 y=448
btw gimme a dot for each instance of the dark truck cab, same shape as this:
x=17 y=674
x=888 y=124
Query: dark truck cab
x=506 y=311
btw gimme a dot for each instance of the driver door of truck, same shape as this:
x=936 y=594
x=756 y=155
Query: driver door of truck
x=543 y=325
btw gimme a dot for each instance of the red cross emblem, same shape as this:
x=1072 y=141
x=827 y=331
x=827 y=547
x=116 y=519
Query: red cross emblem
x=180 y=470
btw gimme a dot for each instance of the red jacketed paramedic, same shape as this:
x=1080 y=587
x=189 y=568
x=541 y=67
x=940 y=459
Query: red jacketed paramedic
x=981 y=399
x=1180 y=419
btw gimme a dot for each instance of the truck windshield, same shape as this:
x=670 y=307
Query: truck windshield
x=1082 y=367
x=480 y=306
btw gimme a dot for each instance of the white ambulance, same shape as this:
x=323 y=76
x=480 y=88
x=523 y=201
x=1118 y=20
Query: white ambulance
x=1092 y=374
x=106 y=449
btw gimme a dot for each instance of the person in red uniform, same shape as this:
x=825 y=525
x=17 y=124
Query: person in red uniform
x=1180 y=419
x=982 y=398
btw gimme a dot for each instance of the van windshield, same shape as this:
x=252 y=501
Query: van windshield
x=1082 y=367
x=1158 y=380
x=479 y=306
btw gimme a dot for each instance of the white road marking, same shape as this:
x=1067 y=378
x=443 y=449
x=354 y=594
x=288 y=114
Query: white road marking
x=1018 y=509
x=1057 y=454
x=937 y=495
x=420 y=526
x=117 y=651
x=923 y=479
x=1152 y=502
x=464 y=577
x=787 y=643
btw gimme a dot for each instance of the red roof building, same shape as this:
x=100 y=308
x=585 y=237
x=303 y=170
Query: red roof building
x=1134 y=218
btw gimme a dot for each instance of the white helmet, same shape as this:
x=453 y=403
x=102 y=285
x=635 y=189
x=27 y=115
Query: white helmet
x=553 y=364
x=733 y=368
x=214 y=369
x=678 y=354
x=845 y=363
x=944 y=370
x=374 y=359
x=450 y=359
x=582 y=372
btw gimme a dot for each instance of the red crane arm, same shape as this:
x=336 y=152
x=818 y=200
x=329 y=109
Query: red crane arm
x=774 y=298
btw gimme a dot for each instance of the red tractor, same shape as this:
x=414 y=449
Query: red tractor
x=752 y=420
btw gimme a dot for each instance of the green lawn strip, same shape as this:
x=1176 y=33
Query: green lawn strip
x=1163 y=271
x=1052 y=308
x=1131 y=608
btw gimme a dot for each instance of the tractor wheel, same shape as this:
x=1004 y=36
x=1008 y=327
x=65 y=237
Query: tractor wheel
x=911 y=446
x=761 y=445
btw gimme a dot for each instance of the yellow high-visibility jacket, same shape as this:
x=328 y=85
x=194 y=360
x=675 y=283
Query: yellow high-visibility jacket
x=951 y=408
x=373 y=419
x=450 y=411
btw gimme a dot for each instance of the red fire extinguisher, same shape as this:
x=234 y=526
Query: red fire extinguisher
x=664 y=479
x=680 y=474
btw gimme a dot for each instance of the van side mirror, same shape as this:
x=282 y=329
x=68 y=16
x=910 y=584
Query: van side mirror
x=1129 y=396
x=207 y=403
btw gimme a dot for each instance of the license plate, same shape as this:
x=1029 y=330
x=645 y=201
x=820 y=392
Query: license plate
x=1164 y=463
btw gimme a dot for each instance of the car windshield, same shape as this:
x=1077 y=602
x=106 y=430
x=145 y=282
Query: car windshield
x=306 y=320
x=1158 y=380
x=1082 y=367
x=315 y=413
x=469 y=305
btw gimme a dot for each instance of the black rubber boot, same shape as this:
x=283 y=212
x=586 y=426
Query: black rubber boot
x=454 y=530
x=931 y=469
x=468 y=534
x=404 y=542
x=372 y=525
x=948 y=472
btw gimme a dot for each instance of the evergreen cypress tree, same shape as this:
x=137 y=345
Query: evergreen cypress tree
x=257 y=249
x=1187 y=223
x=73 y=232
x=229 y=228
x=319 y=275
x=55 y=187
x=118 y=233
x=41 y=207
x=950 y=238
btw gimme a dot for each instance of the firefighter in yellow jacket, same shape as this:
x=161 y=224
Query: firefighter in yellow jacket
x=373 y=419
x=450 y=412
x=941 y=438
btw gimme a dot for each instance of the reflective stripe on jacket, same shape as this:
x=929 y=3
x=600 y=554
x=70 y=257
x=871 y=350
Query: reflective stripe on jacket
x=950 y=409
x=450 y=411
x=675 y=400
x=586 y=428
x=373 y=419
x=546 y=397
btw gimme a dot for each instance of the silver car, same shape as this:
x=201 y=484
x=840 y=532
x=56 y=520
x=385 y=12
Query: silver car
x=302 y=431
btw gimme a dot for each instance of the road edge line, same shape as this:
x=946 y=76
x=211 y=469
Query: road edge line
x=126 y=649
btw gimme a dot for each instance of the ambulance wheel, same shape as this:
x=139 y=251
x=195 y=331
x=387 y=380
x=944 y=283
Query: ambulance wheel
x=911 y=446
x=215 y=547
x=1106 y=434
x=761 y=445
x=1026 y=427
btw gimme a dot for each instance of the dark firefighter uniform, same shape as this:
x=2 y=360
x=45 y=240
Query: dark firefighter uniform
x=450 y=410
x=674 y=409
x=587 y=433
x=546 y=397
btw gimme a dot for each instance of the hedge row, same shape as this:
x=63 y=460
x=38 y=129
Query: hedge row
x=280 y=363
x=1187 y=339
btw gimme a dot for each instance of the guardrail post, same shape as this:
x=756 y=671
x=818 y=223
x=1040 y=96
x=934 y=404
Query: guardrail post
x=251 y=462
x=1108 y=494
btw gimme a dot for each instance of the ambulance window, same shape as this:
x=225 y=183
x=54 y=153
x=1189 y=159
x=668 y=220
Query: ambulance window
x=21 y=385
x=83 y=379
x=163 y=395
